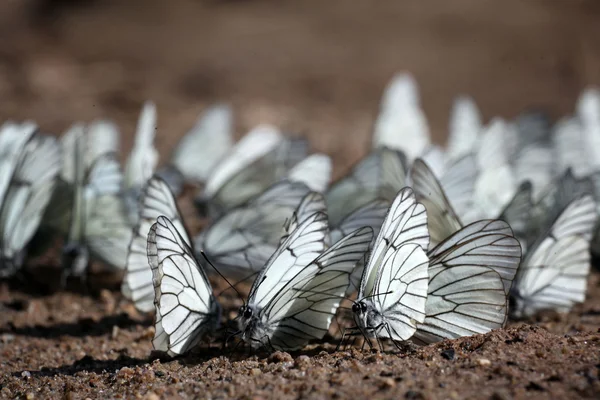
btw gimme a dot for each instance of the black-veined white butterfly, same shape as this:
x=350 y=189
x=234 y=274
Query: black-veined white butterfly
x=393 y=288
x=156 y=200
x=186 y=309
x=32 y=178
x=296 y=295
x=553 y=274
x=201 y=149
x=380 y=175
x=470 y=276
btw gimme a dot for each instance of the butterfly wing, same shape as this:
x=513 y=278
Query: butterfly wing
x=465 y=127
x=28 y=194
x=443 y=220
x=378 y=176
x=241 y=241
x=314 y=171
x=554 y=273
x=205 y=145
x=303 y=246
x=303 y=309
x=405 y=223
x=156 y=200
x=185 y=306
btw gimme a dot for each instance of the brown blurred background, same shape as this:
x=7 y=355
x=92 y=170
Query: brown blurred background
x=317 y=67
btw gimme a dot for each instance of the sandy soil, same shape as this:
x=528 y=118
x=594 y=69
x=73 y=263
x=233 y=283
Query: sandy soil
x=313 y=67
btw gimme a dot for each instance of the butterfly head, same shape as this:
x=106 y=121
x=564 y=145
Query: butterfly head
x=252 y=328
x=366 y=316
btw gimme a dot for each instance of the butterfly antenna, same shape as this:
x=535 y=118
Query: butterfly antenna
x=222 y=276
x=238 y=282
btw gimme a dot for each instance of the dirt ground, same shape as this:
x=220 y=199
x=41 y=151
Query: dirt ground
x=312 y=67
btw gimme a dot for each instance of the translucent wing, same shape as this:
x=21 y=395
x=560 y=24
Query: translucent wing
x=156 y=200
x=241 y=241
x=405 y=223
x=313 y=202
x=442 y=218
x=28 y=194
x=372 y=215
x=462 y=300
x=206 y=144
x=458 y=183
x=568 y=140
x=303 y=246
x=553 y=275
x=588 y=111
x=465 y=127
x=314 y=171
x=435 y=157
x=304 y=307
x=380 y=175
x=255 y=178
x=251 y=147
x=13 y=138
x=400 y=291
x=518 y=214
x=186 y=309
x=534 y=163
x=144 y=156
x=401 y=124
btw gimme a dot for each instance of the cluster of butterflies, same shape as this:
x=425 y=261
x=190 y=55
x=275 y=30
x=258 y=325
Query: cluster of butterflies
x=438 y=243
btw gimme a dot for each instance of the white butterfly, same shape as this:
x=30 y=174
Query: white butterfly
x=588 y=112
x=296 y=295
x=262 y=158
x=156 y=200
x=201 y=149
x=13 y=138
x=401 y=124
x=470 y=275
x=32 y=178
x=98 y=223
x=442 y=219
x=142 y=159
x=186 y=309
x=393 y=289
x=554 y=272
x=241 y=241
x=380 y=175
x=465 y=128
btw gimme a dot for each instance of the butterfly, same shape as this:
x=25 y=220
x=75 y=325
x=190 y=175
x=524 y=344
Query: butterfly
x=241 y=241
x=470 y=276
x=393 y=287
x=186 y=309
x=553 y=274
x=297 y=293
x=98 y=226
x=201 y=149
x=156 y=200
x=401 y=123
x=141 y=161
x=261 y=158
x=380 y=175
x=32 y=167
x=465 y=128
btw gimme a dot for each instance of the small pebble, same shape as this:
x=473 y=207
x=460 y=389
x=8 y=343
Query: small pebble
x=484 y=362
x=26 y=374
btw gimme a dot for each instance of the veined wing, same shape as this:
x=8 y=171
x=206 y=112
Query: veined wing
x=258 y=142
x=380 y=175
x=443 y=220
x=518 y=214
x=185 y=306
x=568 y=140
x=310 y=204
x=206 y=144
x=371 y=214
x=554 y=272
x=156 y=200
x=405 y=223
x=314 y=171
x=302 y=247
x=458 y=184
x=13 y=138
x=28 y=194
x=242 y=240
x=400 y=291
x=144 y=156
x=304 y=307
